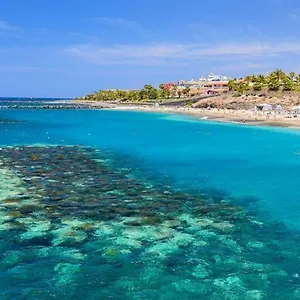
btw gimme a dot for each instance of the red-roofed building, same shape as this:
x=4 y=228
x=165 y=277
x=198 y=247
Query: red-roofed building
x=168 y=86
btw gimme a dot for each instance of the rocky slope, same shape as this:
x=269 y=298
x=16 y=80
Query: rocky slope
x=249 y=101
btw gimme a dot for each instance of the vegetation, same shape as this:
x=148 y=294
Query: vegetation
x=146 y=93
x=275 y=81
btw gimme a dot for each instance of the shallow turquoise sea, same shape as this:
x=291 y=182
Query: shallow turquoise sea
x=229 y=228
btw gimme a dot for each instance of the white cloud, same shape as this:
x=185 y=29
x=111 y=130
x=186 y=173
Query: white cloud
x=178 y=53
x=295 y=15
x=124 y=25
x=241 y=67
x=6 y=26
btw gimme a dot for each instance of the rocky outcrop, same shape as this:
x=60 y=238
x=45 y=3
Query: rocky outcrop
x=249 y=101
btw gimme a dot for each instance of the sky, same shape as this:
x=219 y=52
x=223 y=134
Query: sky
x=72 y=47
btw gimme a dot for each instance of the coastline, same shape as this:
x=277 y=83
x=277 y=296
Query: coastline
x=244 y=117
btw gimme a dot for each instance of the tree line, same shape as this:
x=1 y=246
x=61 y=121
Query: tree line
x=148 y=92
x=275 y=81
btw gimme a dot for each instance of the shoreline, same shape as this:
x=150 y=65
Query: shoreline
x=237 y=116
x=242 y=117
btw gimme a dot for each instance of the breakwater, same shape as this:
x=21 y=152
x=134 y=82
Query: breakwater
x=53 y=106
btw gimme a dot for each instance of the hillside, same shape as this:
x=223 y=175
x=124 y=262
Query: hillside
x=231 y=100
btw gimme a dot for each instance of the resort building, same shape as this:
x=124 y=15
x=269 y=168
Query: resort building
x=169 y=85
x=218 y=86
x=212 y=84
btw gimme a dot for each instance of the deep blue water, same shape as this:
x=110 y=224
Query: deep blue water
x=240 y=160
x=26 y=99
x=255 y=168
x=26 y=102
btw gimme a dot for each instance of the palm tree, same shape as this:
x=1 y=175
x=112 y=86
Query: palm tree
x=174 y=90
x=161 y=86
x=148 y=87
x=143 y=94
x=150 y=92
x=168 y=93
x=273 y=84
x=288 y=84
x=232 y=85
x=261 y=79
x=292 y=75
x=186 y=91
x=250 y=78
x=274 y=79
x=278 y=74
x=297 y=79
x=242 y=87
x=257 y=86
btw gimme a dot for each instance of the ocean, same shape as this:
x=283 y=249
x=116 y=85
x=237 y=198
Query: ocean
x=134 y=205
x=13 y=102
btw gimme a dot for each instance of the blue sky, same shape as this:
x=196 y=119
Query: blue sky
x=73 y=47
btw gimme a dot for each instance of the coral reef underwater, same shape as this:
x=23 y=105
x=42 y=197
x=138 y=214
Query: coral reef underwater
x=76 y=223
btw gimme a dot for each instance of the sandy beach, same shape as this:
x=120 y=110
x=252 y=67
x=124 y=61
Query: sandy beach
x=247 y=117
x=224 y=115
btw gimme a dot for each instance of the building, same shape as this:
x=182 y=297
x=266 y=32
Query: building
x=264 y=107
x=213 y=77
x=218 y=86
x=169 y=85
x=213 y=84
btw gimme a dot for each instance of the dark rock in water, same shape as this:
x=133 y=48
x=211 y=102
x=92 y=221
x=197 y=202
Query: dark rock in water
x=153 y=220
x=74 y=181
x=80 y=210
x=28 y=209
x=44 y=241
x=134 y=223
x=202 y=210
x=15 y=214
x=12 y=201
x=14 y=225
x=9 y=121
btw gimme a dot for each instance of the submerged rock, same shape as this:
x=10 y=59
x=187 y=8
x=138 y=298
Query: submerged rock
x=254 y=295
x=66 y=272
x=88 y=218
x=201 y=271
x=195 y=287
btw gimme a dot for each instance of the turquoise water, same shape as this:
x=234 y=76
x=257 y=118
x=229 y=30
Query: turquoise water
x=224 y=220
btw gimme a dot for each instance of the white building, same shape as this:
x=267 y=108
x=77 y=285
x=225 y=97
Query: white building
x=264 y=107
